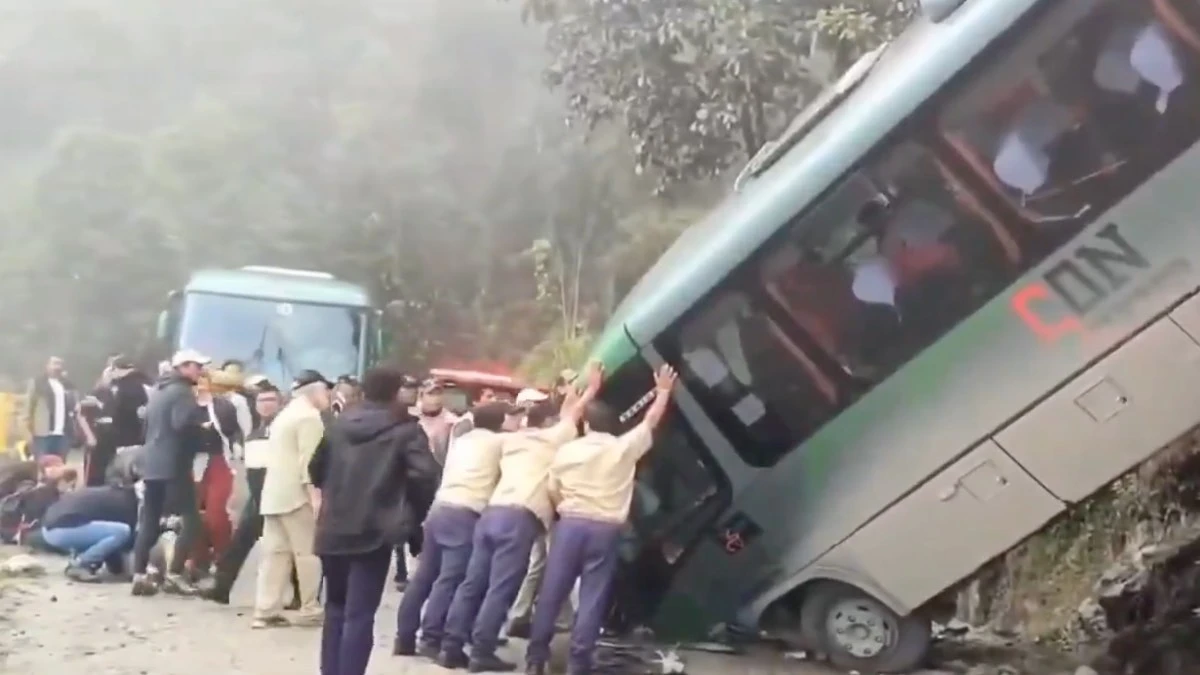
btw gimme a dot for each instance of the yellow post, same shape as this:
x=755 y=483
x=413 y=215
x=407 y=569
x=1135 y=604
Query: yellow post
x=8 y=412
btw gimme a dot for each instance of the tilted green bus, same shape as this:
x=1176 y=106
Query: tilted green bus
x=955 y=298
x=277 y=321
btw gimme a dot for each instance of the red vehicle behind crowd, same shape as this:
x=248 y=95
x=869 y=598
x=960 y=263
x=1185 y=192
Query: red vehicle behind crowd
x=464 y=388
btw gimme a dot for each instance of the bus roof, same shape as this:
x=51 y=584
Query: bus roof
x=912 y=68
x=282 y=287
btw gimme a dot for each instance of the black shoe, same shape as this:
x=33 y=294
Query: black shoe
x=453 y=660
x=520 y=628
x=215 y=594
x=401 y=585
x=490 y=664
x=535 y=669
x=429 y=650
x=403 y=647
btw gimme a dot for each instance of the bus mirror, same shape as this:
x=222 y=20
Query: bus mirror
x=163 y=320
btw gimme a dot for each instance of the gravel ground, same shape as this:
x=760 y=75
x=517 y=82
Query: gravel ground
x=50 y=625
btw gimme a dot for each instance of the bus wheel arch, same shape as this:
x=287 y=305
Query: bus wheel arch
x=857 y=631
x=779 y=611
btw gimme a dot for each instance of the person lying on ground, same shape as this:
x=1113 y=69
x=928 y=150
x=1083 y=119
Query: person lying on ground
x=15 y=473
x=21 y=513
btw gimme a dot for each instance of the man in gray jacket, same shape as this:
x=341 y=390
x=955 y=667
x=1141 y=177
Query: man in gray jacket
x=174 y=419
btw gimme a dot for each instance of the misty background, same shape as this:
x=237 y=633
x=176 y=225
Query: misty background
x=498 y=173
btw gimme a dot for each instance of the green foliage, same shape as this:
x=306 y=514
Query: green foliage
x=701 y=84
x=545 y=361
x=406 y=145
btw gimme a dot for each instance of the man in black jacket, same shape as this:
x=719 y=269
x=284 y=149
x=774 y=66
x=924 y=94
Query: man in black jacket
x=378 y=476
x=117 y=420
x=174 y=422
x=410 y=391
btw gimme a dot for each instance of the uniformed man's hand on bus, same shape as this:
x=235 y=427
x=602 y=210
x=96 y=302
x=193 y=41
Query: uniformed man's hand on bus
x=664 y=379
x=595 y=376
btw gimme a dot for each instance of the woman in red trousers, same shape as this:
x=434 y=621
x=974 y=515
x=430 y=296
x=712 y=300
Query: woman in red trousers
x=228 y=426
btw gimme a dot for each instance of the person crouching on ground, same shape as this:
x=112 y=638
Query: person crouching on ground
x=379 y=474
x=468 y=479
x=591 y=483
x=96 y=525
x=289 y=505
x=518 y=514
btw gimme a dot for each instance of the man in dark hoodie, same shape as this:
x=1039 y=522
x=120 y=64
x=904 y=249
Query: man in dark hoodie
x=378 y=475
x=174 y=422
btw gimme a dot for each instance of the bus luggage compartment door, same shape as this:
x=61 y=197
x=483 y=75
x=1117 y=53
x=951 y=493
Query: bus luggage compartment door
x=1113 y=416
x=971 y=512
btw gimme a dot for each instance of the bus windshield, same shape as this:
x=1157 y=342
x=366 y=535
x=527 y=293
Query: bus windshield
x=276 y=339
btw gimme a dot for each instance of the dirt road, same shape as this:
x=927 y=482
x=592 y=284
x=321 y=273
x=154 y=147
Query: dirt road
x=51 y=625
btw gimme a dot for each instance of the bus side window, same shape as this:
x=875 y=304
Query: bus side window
x=879 y=279
x=1094 y=99
x=750 y=377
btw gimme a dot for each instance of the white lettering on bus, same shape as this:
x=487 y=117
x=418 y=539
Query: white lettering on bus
x=637 y=407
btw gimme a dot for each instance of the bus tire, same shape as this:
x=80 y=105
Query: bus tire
x=861 y=634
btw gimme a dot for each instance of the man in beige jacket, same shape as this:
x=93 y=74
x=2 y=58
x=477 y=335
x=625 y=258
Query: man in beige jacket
x=290 y=505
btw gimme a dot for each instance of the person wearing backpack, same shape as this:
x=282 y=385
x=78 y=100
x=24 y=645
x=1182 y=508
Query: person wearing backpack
x=21 y=513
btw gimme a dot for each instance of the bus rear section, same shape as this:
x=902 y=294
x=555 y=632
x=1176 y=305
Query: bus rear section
x=986 y=318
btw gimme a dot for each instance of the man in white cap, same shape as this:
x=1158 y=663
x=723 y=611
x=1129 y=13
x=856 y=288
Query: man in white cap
x=174 y=419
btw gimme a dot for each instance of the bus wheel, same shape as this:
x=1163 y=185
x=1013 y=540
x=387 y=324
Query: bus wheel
x=859 y=633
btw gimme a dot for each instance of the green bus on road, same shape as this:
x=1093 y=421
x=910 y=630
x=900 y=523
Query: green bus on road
x=956 y=297
x=277 y=321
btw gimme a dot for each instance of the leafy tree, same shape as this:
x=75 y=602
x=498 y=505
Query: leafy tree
x=701 y=84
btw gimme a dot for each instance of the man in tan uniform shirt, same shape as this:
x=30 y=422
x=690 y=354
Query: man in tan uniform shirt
x=468 y=479
x=591 y=484
x=519 y=512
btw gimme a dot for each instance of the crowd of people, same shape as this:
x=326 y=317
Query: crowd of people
x=511 y=510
